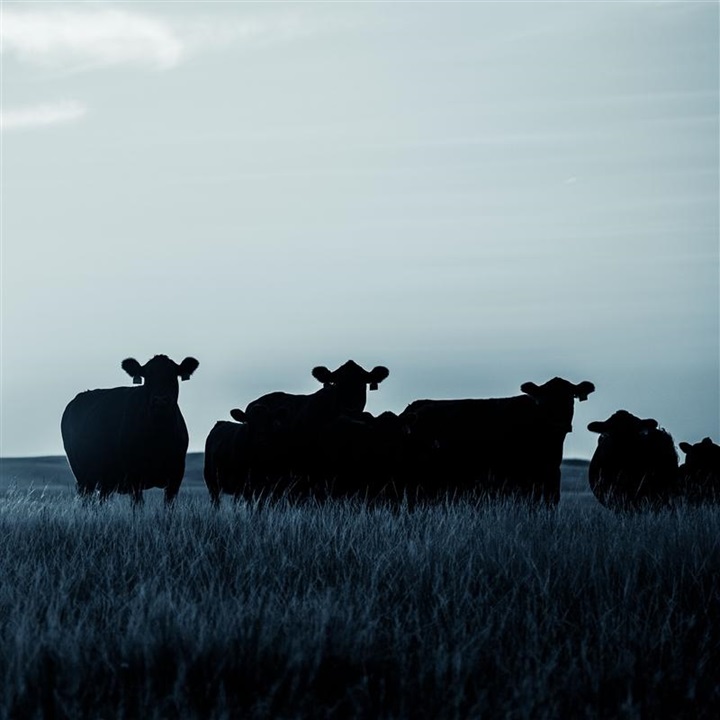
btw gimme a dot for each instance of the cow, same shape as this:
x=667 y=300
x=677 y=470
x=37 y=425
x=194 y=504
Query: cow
x=243 y=457
x=699 y=474
x=287 y=426
x=634 y=465
x=491 y=448
x=226 y=461
x=128 y=439
x=344 y=391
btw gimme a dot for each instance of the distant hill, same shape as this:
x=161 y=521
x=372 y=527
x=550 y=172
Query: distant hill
x=54 y=472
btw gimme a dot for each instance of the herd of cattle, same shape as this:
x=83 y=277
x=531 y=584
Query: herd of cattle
x=324 y=445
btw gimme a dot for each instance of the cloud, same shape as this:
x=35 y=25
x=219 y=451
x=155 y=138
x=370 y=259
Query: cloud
x=39 y=115
x=91 y=37
x=97 y=37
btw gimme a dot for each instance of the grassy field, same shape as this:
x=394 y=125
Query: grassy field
x=447 y=612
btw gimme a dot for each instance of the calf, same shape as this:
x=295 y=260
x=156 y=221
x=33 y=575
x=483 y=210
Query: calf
x=634 y=465
x=699 y=475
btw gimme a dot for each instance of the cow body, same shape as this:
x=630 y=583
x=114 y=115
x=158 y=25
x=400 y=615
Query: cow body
x=699 y=474
x=634 y=465
x=493 y=447
x=246 y=459
x=226 y=461
x=127 y=440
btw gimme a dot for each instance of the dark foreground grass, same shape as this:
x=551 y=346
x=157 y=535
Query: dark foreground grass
x=450 y=612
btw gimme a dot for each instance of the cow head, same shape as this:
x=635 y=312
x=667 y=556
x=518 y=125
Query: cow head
x=622 y=423
x=160 y=376
x=350 y=382
x=704 y=455
x=556 y=399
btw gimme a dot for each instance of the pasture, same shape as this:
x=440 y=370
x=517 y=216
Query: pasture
x=451 y=611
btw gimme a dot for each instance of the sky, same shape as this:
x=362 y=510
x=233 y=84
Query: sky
x=473 y=194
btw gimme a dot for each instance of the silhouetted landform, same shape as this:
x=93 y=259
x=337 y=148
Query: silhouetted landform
x=699 y=475
x=283 y=433
x=125 y=439
x=495 y=447
x=635 y=464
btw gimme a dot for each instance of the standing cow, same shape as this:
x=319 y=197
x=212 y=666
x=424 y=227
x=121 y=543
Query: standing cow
x=493 y=447
x=226 y=460
x=634 y=465
x=287 y=429
x=699 y=475
x=127 y=439
x=240 y=456
x=344 y=392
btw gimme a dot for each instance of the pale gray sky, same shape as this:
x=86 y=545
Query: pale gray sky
x=472 y=194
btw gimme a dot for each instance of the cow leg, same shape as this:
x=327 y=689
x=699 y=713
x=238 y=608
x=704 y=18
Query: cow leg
x=214 y=497
x=85 y=492
x=171 y=492
x=105 y=492
x=136 y=495
x=211 y=475
x=546 y=488
x=173 y=483
x=552 y=492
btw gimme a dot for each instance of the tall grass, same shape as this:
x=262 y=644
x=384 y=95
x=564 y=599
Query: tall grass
x=340 y=611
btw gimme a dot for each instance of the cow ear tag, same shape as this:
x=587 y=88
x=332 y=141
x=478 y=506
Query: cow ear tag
x=137 y=380
x=185 y=377
x=373 y=386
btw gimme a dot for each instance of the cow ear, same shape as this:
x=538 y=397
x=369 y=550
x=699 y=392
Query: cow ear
x=648 y=424
x=238 y=414
x=685 y=447
x=530 y=388
x=133 y=368
x=583 y=389
x=597 y=426
x=187 y=367
x=377 y=375
x=322 y=374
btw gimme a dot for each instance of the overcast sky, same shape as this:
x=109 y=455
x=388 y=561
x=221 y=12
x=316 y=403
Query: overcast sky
x=472 y=194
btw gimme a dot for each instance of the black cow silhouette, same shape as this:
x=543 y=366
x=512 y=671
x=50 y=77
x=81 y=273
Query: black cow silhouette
x=492 y=447
x=128 y=439
x=344 y=392
x=699 y=474
x=243 y=459
x=283 y=442
x=227 y=458
x=634 y=465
